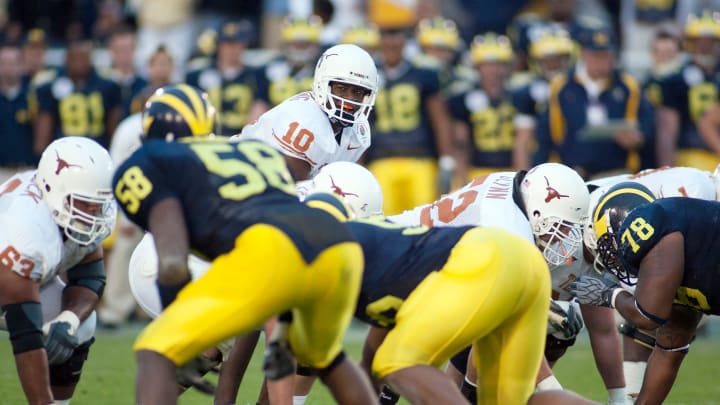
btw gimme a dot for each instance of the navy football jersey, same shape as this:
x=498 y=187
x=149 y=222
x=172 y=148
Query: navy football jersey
x=232 y=96
x=491 y=126
x=397 y=259
x=690 y=92
x=224 y=188
x=80 y=109
x=699 y=223
x=400 y=124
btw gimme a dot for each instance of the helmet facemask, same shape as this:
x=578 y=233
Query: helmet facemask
x=607 y=254
x=559 y=240
x=85 y=218
x=345 y=111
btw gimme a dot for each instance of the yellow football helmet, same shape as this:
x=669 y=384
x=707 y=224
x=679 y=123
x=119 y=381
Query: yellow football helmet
x=491 y=47
x=366 y=36
x=438 y=32
x=551 y=43
x=302 y=29
x=178 y=111
x=707 y=25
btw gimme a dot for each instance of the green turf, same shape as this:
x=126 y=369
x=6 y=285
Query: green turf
x=108 y=377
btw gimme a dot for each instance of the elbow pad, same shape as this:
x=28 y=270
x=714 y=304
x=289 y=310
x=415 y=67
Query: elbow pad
x=89 y=275
x=24 y=323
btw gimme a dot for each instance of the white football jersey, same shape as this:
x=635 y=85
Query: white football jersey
x=31 y=243
x=299 y=128
x=486 y=201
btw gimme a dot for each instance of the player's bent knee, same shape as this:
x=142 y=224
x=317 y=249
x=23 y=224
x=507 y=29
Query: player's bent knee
x=325 y=371
x=68 y=373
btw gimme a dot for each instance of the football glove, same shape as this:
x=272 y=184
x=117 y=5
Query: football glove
x=446 y=171
x=191 y=374
x=570 y=323
x=598 y=291
x=279 y=361
x=60 y=339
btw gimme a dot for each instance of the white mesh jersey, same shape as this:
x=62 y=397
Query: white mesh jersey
x=31 y=243
x=299 y=128
x=486 y=201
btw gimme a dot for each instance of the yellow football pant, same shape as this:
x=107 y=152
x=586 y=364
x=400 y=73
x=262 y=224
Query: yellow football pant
x=405 y=182
x=264 y=275
x=697 y=158
x=493 y=292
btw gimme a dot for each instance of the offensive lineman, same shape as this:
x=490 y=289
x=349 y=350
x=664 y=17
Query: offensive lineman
x=53 y=221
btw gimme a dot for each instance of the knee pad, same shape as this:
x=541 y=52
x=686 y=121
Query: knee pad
x=555 y=348
x=68 y=373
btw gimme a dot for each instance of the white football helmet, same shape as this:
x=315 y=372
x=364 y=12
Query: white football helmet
x=556 y=202
x=350 y=64
x=75 y=176
x=354 y=183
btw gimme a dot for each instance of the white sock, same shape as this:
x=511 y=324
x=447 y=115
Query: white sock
x=617 y=396
x=299 y=399
x=62 y=402
x=634 y=373
x=549 y=383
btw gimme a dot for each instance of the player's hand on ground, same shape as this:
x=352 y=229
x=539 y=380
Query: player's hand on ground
x=571 y=323
x=191 y=374
x=60 y=339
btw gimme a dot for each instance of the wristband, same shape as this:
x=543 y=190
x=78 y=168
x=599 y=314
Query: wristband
x=615 y=294
x=447 y=162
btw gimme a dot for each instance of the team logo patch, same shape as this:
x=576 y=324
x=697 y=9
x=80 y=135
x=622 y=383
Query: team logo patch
x=337 y=190
x=362 y=129
x=62 y=164
x=552 y=193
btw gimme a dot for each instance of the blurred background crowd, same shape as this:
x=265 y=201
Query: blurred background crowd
x=467 y=87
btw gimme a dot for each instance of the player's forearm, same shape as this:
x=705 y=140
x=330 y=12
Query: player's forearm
x=660 y=374
x=668 y=123
x=709 y=128
x=32 y=368
x=442 y=127
x=80 y=300
x=43 y=132
x=625 y=304
x=608 y=355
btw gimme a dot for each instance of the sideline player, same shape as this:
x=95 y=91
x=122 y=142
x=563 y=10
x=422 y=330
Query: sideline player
x=167 y=187
x=329 y=123
x=53 y=221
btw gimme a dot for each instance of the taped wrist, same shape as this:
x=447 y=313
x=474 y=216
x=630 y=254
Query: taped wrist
x=89 y=275
x=469 y=390
x=24 y=323
x=169 y=292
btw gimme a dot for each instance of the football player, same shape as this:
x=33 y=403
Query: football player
x=53 y=222
x=233 y=87
x=547 y=205
x=412 y=146
x=329 y=123
x=483 y=116
x=550 y=54
x=687 y=95
x=662 y=182
x=671 y=259
x=292 y=72
x=310 y=263
x=78 y=102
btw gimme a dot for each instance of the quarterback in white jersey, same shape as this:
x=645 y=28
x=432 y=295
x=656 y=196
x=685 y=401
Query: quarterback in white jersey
x=329 y=123
x=53 y=222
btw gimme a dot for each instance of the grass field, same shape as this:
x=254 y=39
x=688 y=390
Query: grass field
x=108 y=377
